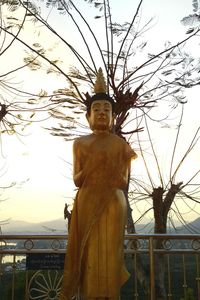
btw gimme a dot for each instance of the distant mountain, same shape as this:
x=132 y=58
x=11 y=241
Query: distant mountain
x=192 y=227
x=59 y=226
x=19 y=227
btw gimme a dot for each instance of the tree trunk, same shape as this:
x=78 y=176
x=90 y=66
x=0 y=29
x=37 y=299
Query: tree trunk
x=161 y=206
x=159 y=259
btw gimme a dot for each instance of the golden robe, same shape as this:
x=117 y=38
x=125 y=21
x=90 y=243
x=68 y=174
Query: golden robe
x=94 y=262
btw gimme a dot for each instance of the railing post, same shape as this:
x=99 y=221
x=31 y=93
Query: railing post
x=135 y=277
x=198 y=276
x=169 y=278
x=152 y=271
x=1 y=269
x=13 y=276
x=184 y=278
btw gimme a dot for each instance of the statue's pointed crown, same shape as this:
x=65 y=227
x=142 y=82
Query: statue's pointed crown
x=100 y=84
x=100 y=91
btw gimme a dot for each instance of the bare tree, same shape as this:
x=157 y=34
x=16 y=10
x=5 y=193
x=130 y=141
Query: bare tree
x=18 y=107
x=164 y=192
x=157 y=77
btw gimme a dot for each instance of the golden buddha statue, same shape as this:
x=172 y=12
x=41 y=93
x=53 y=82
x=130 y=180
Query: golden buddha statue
x=94 y=263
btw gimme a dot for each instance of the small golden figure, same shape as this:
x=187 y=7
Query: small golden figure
x=94 y=263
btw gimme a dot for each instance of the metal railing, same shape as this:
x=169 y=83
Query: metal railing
x=31 y=266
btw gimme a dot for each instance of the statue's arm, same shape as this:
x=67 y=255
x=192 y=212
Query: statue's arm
x=129 y=154
x=77 y=167
x=123 y=175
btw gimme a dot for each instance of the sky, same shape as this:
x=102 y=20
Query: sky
x=40 y=164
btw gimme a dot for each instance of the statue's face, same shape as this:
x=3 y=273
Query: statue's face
x=100 y=117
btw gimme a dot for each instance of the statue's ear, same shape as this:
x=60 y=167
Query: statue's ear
x=89 y=120
x=112 y=121
x=113 y=118
x=87 y=117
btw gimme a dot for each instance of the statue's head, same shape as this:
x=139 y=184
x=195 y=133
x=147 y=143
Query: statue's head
x=100 y=97
x=100 y=93
x=100 y=107
x=100 y=114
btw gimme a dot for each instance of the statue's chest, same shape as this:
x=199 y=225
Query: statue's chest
x=102 y=150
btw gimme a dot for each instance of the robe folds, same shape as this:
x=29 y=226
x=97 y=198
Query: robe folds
x=94 y=262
